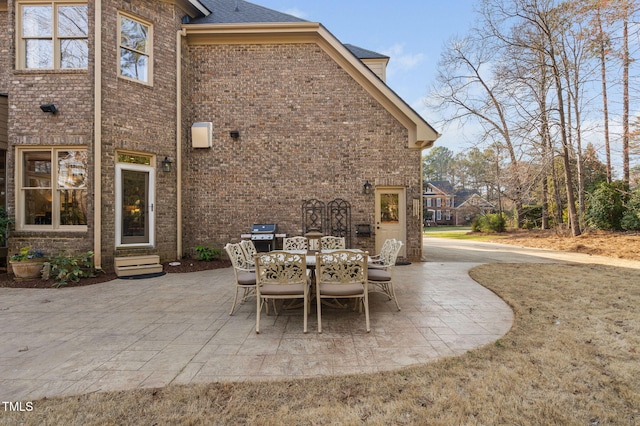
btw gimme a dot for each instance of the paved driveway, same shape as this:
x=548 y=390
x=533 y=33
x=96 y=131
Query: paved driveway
x=177 y=329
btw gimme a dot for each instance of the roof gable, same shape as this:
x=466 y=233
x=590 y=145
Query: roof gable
x=237 y=21
x=364 y=53
x=442 y=186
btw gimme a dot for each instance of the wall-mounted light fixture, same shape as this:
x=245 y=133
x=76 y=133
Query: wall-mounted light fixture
x=166 y=165
x=235 y=134
x=50 y=108
x=367 y=187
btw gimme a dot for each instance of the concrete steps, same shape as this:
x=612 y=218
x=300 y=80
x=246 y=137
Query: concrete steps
x=137 y=265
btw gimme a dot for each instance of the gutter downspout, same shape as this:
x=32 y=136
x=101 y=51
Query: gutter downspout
x=181 y=33
x=97 y=137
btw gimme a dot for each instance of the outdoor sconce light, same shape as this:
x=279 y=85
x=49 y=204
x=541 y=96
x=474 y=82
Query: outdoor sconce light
x=367 y=187
x=166 y=165
x=49 y=108
x=235 y=134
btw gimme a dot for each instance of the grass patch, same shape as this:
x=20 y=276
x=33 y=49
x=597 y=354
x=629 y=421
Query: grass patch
x=464 y=235
x=571 y=358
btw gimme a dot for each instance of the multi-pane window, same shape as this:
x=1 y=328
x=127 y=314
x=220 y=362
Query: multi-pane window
x=53 y=35
x=53 y=188
x=135 y=49
x=438 y=202
x=428 y=202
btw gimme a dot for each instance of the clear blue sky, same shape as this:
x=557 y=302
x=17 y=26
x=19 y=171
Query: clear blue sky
x=411 y=32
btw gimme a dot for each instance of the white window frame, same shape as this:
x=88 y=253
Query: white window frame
x=151 y=201
x=148 y=53
x=438 y=202
x=21 y=48
x=55 y=191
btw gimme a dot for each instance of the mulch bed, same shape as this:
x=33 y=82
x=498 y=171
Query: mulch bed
x=186 y=265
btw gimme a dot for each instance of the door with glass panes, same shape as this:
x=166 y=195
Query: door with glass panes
x=134 y=204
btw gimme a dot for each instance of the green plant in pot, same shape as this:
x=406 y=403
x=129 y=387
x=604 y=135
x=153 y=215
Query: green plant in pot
x=27 y=263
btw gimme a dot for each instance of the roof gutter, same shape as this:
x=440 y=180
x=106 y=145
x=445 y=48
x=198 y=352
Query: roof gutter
x=97 y=139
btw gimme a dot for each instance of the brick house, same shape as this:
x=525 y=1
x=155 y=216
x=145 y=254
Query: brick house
x=445 y=205
x=138 y=127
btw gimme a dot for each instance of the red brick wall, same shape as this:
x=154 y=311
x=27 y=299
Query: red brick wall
x=307 y=130
x=72 y=93
x=141 y=118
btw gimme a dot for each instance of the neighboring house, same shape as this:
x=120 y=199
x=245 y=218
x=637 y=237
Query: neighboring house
x=444 y=205
x=141 y=127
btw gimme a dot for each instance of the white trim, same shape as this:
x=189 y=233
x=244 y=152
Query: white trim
x=19 y=190
x=200 y=7
x=151 y=202
x=148 y=53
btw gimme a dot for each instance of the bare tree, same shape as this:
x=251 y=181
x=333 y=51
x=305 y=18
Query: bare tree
x=513 y=22
x=465 y=90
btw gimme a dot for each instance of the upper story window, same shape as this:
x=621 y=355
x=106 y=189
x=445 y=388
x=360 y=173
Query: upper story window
x=134 y=54
x=53 y=35
x=52 y=190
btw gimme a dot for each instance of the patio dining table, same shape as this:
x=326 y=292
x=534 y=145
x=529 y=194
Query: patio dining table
x=310 y=256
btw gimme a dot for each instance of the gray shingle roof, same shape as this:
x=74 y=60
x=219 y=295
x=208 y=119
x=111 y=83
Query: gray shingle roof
x=361 y=53
x=241 y=12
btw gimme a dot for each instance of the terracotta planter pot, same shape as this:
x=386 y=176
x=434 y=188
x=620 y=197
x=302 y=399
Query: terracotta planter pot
x=26 y=269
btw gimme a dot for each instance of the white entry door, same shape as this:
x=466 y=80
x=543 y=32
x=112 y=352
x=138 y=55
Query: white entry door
x=391 y=217
x=134 y=205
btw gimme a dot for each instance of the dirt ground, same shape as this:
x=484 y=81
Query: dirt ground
x=186 y=265
x=620 y=245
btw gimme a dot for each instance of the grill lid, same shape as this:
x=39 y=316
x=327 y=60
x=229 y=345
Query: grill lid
x=264 y=228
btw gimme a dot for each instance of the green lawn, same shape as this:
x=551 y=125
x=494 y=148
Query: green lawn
x=458 y=233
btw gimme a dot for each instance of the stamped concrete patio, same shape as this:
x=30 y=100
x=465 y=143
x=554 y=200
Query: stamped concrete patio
x=176 y=329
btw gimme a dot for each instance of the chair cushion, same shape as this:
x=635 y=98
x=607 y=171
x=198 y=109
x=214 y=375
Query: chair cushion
x=376 y=266
x=282 y=290
x=246 y=278
x=336 y=290
x=378 y=275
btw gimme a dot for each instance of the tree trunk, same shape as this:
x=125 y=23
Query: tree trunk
x=625 y=102
x=571 y=202
x=605 y=103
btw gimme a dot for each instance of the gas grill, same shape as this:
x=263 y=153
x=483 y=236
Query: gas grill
x=263 y=236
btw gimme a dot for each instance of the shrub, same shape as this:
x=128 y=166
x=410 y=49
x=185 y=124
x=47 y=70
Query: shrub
x=606 y=206
x=207 y=252
x=631 y=218
x=65 y=268
x=492 y=222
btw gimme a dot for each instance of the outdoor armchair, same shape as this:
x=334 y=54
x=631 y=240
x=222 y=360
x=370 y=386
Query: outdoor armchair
x=249 y=250
x=332 y=243
x=381 y=276
x=281 y=275
x=342 y=274
x=295 y=243
x=244 y=274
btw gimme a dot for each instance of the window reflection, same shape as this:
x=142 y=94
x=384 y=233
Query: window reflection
x=389 y=211
x=134 y=54
x=64 y=204
x=67 y=43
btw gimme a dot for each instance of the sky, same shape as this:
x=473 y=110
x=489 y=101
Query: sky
x=411 y=32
